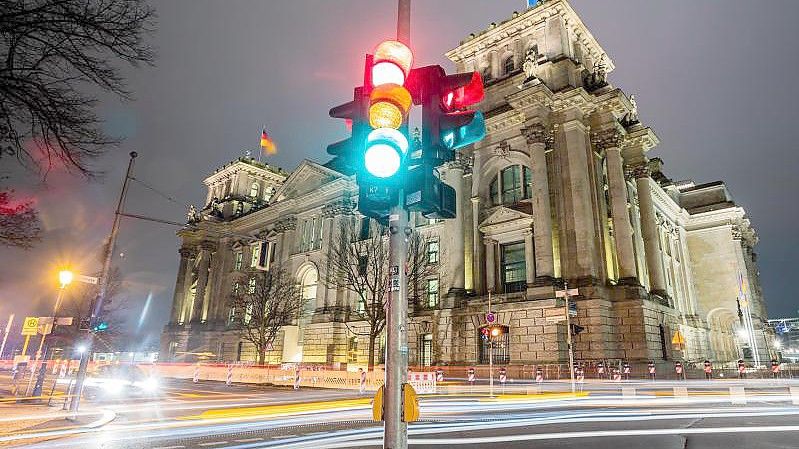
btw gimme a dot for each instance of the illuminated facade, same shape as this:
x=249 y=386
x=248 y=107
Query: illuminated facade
x=562 y=188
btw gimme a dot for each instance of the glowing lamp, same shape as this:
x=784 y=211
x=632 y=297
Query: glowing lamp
x=392 y=63
x=389 y=106
x=462 y=90
x=65 y=277
x=385 y=148
x=467 y=134
x=495 y=332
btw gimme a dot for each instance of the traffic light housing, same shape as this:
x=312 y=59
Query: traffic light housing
x=100 y=326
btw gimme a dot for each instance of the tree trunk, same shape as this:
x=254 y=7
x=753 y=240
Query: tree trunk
x=261 y=356
x=371 y=363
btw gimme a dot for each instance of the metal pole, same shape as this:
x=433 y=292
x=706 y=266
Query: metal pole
x=490 y=354
x=569 y=335
x=396 y=430
x=404 y=22
x=5 y=335
x=98 y=305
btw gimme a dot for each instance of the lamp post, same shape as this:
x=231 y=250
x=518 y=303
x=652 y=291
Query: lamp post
x=64 y=278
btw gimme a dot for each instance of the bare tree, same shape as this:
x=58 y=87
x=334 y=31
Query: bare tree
x=360 y=264
x=53 y=53
x=19 y=222
x=262 y=307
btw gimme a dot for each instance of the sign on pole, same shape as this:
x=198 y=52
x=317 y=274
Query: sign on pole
x=571 y=292
x=86 y=279
x=490 y=317
x=556 y=318
x=46 y=325
x=30 y=326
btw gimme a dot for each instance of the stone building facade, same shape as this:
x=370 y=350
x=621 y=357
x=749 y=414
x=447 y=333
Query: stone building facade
x=561 y=189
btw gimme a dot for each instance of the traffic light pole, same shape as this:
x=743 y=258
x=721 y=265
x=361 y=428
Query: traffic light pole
x=396 y=429
x=569 y=335
x=97 y=307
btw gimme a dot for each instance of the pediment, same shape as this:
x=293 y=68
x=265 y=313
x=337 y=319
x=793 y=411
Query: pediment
x=306 y=178
x=503 y=216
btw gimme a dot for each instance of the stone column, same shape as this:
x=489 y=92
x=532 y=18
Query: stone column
x=202 y=280
x=332 y=215
x=457 y=253
x=180 y=285
x=287 y=227
x=491 y=265
x=188 y=280
x=610 y=141
x=529 y=257
x=649 y=231
x=537 y=137
x=580 y=230
x=477 y=246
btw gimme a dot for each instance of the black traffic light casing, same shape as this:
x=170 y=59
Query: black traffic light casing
x=426 y=193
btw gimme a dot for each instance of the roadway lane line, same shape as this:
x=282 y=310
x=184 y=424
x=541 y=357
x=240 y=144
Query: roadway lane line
x=169 y=447
x=248 y=440
x=213 y=443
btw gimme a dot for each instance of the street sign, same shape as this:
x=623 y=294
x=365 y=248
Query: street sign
x=678 y=339
x=46 y=325
x=64 y=321
x=556 y=318
x=490 y=318
x=30 y=326
x=87 y=279
x=571 y=292
x=572 y=309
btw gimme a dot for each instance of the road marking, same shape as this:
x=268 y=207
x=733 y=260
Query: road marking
x=168 y=447
x=248 y=440
x=213 y=443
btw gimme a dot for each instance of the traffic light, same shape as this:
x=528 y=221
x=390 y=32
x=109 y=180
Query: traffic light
x=378 y=149
x=100 y=326
x=576 y=329
x=447 y=126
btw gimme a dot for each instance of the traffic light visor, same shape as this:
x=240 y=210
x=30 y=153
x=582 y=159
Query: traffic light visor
x=388 y=54
x=462 y=90
x=389 y=106
x=467 y=134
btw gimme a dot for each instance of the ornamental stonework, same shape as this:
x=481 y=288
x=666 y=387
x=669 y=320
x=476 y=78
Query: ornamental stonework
x=610 y=138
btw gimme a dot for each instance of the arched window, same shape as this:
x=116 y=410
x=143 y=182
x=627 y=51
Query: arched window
x=512 y=184
x=254 y=189
x=309 y=281
x=508 y=66
x=486 y=74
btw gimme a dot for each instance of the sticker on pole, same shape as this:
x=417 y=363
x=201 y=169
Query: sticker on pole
x=395 y=284
x=30 y=326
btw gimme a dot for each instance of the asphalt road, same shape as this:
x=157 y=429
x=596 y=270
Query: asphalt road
x=187 y=415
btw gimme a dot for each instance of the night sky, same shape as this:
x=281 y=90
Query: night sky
x=715 y=80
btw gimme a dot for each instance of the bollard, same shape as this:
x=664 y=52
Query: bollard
x=229 y=379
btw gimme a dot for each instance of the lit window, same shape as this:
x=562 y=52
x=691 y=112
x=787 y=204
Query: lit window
x=432 y=293
x=236 y=288
x=251 y=286
x=426 y=350
x=231 y=315
x=352 y=350
x=254 y=189
x=248 y=314
x=432 y=251
x=239 y=260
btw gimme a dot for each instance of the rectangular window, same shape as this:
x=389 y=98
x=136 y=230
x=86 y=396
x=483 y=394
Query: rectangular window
x=363 y=263
x=236 y=288
x=360 y=308
x=364 y=230
x=432 y=293
x=248 y=314
x=511 y=185
x=255 y=251
x=352 y=350
x=494 y=191
x=432 y=251
x=251 y=286
x=514 y=273
x=238 y=257
x=528 y=182
x=426 y=350
x=231 y=316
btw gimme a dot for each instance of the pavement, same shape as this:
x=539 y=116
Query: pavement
x=209 y=414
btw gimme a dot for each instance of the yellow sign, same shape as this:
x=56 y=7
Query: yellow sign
x=678 y=339
x=377 y=405
x=30 y=326
x=410 y=404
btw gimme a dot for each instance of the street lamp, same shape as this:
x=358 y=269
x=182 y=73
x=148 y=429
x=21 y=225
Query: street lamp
x=65 y=278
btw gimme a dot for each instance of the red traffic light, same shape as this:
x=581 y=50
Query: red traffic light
x=461 y=91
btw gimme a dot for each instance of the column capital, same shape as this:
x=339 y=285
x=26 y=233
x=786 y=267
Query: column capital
x=607 y=139
x=537 y=133
x=286 y=224
x=637 y=171
x=489 y=241
x=341 y=207
x=208 y=245
x=187 y=252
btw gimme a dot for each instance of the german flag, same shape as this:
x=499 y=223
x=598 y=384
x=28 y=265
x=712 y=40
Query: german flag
x=267 y=144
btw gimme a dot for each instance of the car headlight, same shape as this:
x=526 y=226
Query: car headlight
x=113 y=386
x=150 y=384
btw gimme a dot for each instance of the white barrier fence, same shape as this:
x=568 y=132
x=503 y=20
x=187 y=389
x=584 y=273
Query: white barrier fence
x=284 y=376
